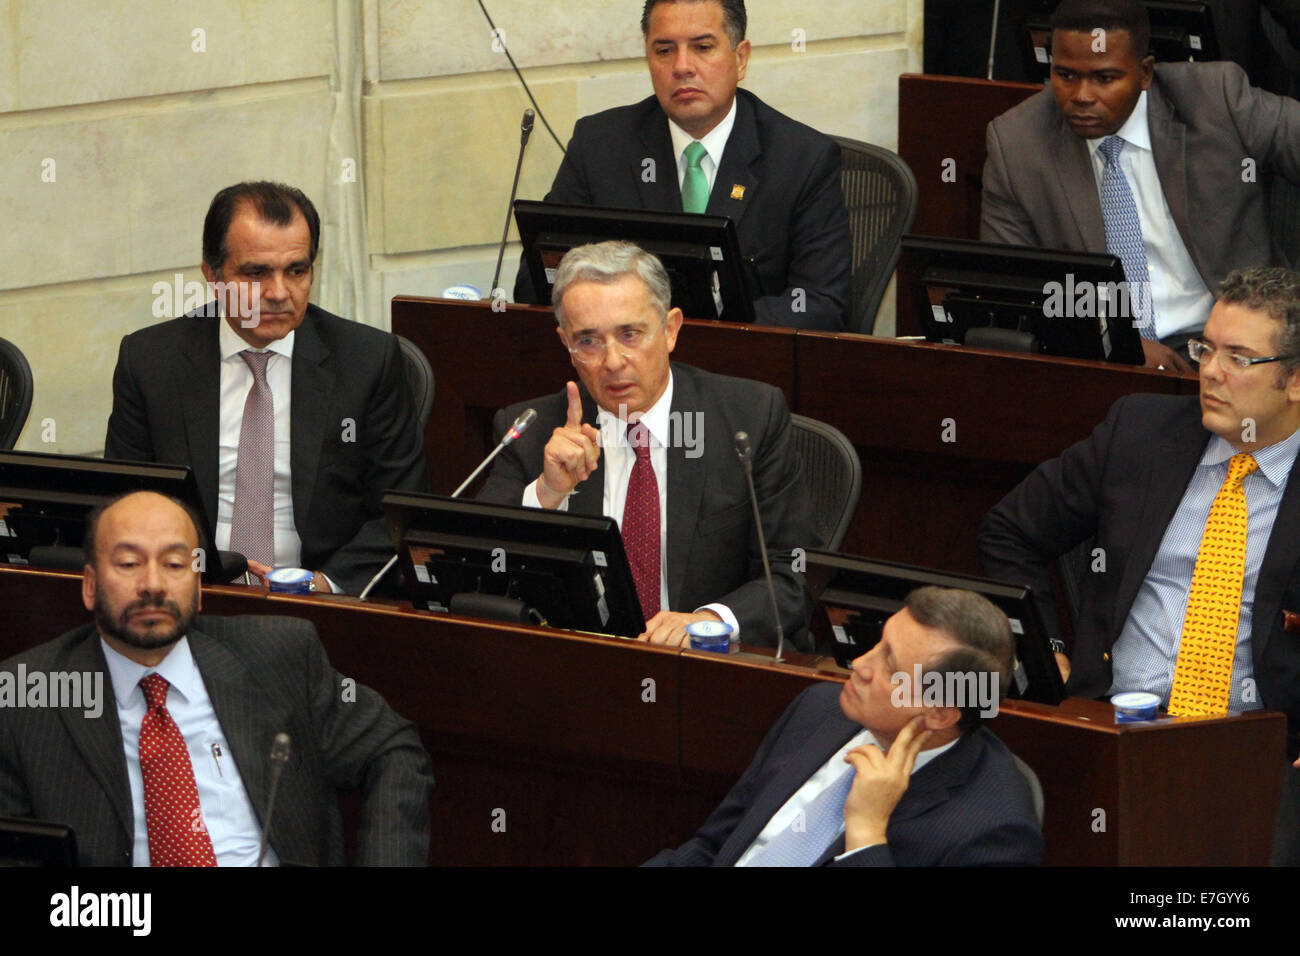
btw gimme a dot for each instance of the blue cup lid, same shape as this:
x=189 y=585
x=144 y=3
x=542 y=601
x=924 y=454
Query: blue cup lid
x=714 y=629
x=289 y=576
x=1135 y=700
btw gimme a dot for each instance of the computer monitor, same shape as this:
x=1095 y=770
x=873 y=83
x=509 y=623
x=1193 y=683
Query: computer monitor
x=36 y=843
x=1043 y=301
x=855 y=596
x=528 y=565
x=45 y=500
x=1181 y=30
x=701 y=253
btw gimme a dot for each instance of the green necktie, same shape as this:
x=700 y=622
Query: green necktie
x=695 y=186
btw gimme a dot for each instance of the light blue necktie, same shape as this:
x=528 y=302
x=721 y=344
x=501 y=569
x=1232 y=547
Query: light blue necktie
x=695 y=185
x=820 y=825
x=1119 y=216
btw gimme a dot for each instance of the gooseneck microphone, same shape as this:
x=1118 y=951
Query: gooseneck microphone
x=746 y=455
x=279 y=757
x=525 y=130
x=514 y=431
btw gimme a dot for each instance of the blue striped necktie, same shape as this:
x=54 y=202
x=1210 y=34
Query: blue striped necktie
x=1119 y=216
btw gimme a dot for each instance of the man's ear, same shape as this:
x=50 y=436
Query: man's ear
x=1147 y=70
x=208 y=273
x=941 y=718
x=88 y=587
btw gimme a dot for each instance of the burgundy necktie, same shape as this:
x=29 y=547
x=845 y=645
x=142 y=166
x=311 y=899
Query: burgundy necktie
x=641 y=522
x=177 y=836
x=252 y=526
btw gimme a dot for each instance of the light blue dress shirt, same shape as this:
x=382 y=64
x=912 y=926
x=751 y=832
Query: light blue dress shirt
x=227 y=811
x=1147 y=648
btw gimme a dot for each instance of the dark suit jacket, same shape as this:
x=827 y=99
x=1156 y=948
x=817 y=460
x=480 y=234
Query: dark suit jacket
x=713 y=554
x=264 y=675
x=166 y=396
x=792 y=223
x=1205 y=120
x=967 y=807
x=1123 y=485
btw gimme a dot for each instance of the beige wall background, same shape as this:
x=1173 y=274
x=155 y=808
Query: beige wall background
x=119 y=119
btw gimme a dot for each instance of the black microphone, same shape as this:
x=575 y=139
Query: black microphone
x=525 y=130
x=746 y=455
x=514 y=431
x=279 y=757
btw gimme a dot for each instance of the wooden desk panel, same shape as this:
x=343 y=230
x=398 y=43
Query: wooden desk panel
x=553 y=735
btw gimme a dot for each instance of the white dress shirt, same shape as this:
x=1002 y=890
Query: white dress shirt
x=236 y=381
x=714 y=142
x=227 y=811
x=830 y=772
x=1180 y=300
x=619 y=459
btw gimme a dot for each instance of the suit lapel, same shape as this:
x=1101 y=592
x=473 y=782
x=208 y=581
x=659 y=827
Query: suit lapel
x=1276 y=570
x=1168 y=149
x=1161 y=493
x=1078 y=184
x=827 y=736
x=100 y=738
x=241 y=711
x=312 y=384
x=685 y=489
x=661 y=192
x=198 y=383
x=734 y=185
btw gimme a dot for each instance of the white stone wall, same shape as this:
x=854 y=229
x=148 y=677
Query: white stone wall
x=119 y=119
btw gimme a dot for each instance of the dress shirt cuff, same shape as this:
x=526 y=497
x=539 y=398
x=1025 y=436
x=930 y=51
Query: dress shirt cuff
x=849 y=853
x=724 y=612
x=334 y=588
x=532 y=501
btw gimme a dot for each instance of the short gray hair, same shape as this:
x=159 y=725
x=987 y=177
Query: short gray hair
x=607 y=262
x=1275 y=291
x=982 y=631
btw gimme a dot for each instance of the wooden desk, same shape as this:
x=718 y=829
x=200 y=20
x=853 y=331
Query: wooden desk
x=602 y=751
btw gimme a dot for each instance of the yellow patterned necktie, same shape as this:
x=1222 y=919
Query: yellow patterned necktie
x=1203 y=673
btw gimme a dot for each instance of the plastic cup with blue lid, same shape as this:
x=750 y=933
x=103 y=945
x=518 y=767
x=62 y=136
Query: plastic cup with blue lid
x=710 y=636
x=1134 y=706
x=289 y=581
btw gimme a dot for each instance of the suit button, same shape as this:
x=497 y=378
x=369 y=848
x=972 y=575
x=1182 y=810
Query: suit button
x=1105 y=655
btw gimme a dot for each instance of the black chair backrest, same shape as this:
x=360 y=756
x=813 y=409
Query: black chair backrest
x=419 y=379
x=16 y=387
x=881 y=193
x=833 y=473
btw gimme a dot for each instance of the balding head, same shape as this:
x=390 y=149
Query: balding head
x=140 y=577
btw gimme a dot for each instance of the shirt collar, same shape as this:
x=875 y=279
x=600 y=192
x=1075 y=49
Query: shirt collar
x=1136 y=130
x=714 y=141
x=1274 y=460
x=922 y=758
x=613 y=431
x=231 y=344
x=177 y=668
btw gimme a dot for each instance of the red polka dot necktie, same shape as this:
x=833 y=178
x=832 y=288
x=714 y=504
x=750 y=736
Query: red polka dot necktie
x=177 y=836
x=1203 y=671
x=641 y=522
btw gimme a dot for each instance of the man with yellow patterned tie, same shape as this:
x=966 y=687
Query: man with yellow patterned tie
x=1194 y=519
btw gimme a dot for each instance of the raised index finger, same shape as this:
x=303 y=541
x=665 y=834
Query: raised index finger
x=909 y=742
x=574 y=418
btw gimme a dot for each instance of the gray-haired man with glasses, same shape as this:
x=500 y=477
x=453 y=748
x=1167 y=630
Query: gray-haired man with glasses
x=1193 y=506
x=650 y=444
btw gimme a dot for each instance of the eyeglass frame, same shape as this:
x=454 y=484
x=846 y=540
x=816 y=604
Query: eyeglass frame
x=623 y=349
x=1198 y=347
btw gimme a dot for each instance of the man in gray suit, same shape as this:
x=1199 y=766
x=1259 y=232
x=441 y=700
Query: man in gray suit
x=170 y=767
x=1165 y=165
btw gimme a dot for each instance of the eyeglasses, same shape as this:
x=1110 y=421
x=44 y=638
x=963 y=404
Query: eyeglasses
x=1202 y=352
x=589 y=349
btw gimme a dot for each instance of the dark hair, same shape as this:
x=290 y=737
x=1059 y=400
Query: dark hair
x=274 y=202
x=983 y=632
x=92 y=523
x=1084 y=16
x=1275 y=291
x=734 y=18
